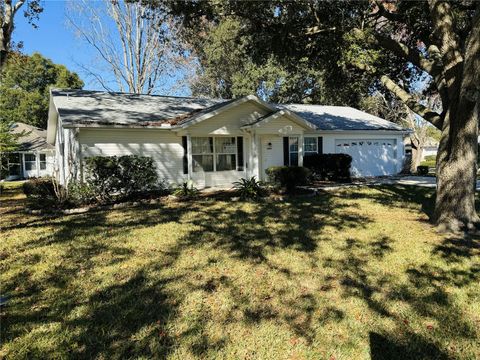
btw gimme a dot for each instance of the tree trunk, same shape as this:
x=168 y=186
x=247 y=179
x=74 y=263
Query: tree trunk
x=456 y=175
x=416 y=154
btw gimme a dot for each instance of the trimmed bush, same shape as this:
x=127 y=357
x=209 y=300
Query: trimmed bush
x=422 y=170
x=40 y=192
x=121 y=176
x=80 y=194
x=288 y=177
x=334 y=167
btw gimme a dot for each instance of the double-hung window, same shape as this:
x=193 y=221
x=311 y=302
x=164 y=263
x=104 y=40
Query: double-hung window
x=310 y=145
x=202 y=154
x=30 y=161
x=43 y=161
x=216 y=153
x=226 y=153
x=293 y=150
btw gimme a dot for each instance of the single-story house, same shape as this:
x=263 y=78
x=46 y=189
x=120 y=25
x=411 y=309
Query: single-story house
x=429 y=148
x=215 y=142
x=34 y=157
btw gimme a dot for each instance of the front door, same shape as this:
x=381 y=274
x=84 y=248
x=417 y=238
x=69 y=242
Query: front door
x=272 y=153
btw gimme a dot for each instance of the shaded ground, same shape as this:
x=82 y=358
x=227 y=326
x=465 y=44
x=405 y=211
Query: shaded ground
x=352 y=274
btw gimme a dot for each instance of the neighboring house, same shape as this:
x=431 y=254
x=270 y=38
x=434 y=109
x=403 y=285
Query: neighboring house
x=429 y=148
x=34 y=156
x=215 y=142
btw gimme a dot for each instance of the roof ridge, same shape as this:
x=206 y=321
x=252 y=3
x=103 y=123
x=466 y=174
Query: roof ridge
x=135 y=94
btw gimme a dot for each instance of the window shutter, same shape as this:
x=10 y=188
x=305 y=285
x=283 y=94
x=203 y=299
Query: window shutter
x=185 y=154
x=286 y=160
x=320 y=145
x=239 y=153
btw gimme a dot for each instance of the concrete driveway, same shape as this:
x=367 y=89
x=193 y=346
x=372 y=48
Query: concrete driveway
x=424 y=181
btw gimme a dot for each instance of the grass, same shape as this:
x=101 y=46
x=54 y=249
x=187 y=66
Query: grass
x=354 y=274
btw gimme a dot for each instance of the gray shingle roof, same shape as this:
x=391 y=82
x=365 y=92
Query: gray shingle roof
x=340 y=118
x=103 y=108
x=33 y=139
x=82 y=107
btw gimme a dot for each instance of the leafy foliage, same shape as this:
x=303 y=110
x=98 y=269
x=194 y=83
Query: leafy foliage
x=121 y=176
x=288 y=177
x=41 y=193
x=24 y=89
x=249 y=188
x=186 y=191
x=329 y=166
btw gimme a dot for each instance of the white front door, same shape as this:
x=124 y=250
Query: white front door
x=272 y=153
x=370 y=157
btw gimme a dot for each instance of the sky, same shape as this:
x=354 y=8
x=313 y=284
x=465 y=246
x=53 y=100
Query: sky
x=55 y=40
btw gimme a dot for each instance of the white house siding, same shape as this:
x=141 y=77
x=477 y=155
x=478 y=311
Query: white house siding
x=163 y=146
x=280 y=126
x=228 y=123
x=329 y=140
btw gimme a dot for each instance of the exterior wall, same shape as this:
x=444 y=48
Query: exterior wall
x=329 y=142
x=280 y=126
x=163 y=146
x=228 y=122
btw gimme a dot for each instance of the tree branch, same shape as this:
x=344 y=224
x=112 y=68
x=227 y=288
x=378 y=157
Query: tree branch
x=414 y=56
x=428 y=114
x=317 y=30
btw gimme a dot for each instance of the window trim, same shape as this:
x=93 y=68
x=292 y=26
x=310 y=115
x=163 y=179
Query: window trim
x=305 y=152
x=290 y=152
x=215 y=154
x=40 y=161
x=30 y=161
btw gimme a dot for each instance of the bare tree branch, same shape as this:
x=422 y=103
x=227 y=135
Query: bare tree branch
x=140 y=49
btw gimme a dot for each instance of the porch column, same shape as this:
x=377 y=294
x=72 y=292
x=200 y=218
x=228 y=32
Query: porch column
x=189 y=157
x=37 y=162
x=254 y=155
x=22 y=163
x=300 y=150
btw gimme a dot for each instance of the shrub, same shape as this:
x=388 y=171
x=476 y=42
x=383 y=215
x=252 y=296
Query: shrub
x=121 y=176
x=422 y=170
x=288 y=177
x=81 y=193
x=249 y=188
x=41 y=192
x=186 y=191
x=334 y=167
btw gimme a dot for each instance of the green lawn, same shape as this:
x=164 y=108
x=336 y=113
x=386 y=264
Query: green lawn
x=354 y=274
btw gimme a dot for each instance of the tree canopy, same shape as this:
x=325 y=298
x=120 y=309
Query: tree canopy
x=412 y=49
x=25 y=84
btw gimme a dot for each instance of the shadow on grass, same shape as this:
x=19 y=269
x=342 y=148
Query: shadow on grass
x=425 y=290
x=131 y=314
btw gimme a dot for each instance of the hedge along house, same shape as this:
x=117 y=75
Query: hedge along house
x=34 y=157
x=214 y=142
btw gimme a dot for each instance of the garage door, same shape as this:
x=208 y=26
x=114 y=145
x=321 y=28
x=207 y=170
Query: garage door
x=370 y=157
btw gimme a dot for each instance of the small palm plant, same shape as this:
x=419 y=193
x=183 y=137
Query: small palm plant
x=186 y=191
x=249 y=188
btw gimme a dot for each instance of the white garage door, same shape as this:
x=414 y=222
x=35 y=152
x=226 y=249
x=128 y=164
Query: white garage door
x=370 y=157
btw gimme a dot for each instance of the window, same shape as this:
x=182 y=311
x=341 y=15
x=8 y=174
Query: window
x=216 y=153
x=14 y=162
x=30 y=162
x=226 y=151
x=202 y=154
x=310 y=145
x=293 y=150
x=43 y=162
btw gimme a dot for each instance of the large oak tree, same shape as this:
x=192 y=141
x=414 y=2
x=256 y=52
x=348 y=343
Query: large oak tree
x=397 y=46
